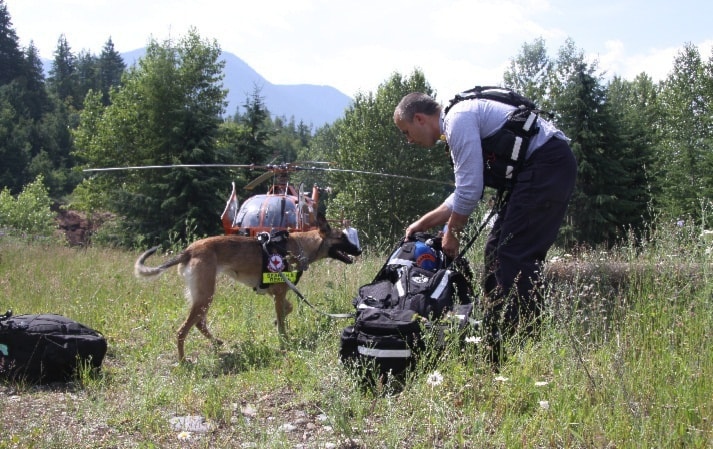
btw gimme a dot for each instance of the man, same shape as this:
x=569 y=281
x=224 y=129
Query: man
x=535 y=201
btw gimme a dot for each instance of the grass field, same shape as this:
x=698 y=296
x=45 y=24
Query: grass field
x=623 y=367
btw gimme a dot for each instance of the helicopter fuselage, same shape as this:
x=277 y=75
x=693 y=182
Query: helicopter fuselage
x=282 y=208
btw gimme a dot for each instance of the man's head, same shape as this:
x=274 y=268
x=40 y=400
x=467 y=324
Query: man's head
x=418 y=117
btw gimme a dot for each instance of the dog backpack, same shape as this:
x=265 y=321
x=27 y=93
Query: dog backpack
x=413 y=291
x=47 y=348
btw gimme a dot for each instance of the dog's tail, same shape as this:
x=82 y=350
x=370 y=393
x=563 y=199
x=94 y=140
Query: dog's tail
x=142 y=271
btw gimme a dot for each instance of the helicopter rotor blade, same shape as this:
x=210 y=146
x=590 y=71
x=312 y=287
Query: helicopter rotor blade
x=154 y=167
x=271 y=169
x=259 y=180
x=386 y=175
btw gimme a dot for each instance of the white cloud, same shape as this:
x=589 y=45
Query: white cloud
x=355 y=46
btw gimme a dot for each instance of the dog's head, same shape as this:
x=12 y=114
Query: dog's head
x=340 y=244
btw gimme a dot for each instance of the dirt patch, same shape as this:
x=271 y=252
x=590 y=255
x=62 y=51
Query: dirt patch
x=77 y=227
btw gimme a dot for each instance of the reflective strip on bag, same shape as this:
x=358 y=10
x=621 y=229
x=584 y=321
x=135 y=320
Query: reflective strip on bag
x=401 y=262
x=441 y=285
x=515 y=156
x=384 y=353
x=399 y=284
x=530 y=120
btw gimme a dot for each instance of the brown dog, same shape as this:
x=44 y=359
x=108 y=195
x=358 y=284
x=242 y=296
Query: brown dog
x=241 y=258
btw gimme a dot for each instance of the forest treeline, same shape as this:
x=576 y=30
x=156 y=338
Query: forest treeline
x=643 y=147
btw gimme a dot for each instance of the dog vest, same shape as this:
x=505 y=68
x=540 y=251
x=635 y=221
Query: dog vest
x=276 y=260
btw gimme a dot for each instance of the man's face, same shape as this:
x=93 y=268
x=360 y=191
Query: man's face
x=417 y=131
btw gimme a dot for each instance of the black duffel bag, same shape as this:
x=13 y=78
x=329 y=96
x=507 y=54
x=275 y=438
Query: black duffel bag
x=47 y=348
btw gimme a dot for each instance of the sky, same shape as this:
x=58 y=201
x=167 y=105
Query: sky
x=355 y=46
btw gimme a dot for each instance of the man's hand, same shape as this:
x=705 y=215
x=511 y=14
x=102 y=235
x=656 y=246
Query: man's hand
x=450 y=245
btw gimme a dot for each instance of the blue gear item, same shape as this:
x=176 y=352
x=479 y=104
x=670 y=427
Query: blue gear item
x=425 y=257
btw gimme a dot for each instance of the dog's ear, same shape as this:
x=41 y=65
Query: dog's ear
x=323 y=223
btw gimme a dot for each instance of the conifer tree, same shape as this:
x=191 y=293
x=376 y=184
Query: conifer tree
x=36 y=98
x=600 y=206
x=62 y=80
x=111 y=68
x=11 y=58
x=686 y=148
x=167 y=112
x=15 y=125
x=635 y=110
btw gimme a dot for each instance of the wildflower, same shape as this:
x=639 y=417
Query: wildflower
x=545 y=405
x=473 y=339
x=541 y=383
x=501 y=379
x=184 y=436
x=434 y=379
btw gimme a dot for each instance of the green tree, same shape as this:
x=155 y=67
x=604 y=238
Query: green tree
x=86 y=76
x=529 y=72
x=167 y=111
x=15 y=120
x=366 y=139
x=244 y=139
x=62 y=80
x=11 y=60
x=600 y=206
x=35 y=99
x=686 y=148
x=257 y=126
x=34 y=136
x=289 y=139
x=15 y=133
x=110 y=68
x=635 y=110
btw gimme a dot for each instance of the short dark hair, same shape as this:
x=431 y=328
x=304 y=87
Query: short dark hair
x=414 y=103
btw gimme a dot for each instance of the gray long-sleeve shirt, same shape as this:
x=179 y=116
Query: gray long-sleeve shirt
x=466 y=124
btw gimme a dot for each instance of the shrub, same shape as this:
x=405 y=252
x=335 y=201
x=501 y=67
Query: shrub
x=30 y=212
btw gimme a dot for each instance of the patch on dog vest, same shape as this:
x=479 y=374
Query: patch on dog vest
x=276 y=263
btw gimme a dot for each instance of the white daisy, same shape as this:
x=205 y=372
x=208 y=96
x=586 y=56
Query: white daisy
x=435 y=378
x=184 y=436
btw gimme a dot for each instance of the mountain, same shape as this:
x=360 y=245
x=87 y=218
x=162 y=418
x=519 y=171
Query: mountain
x=312 y=104
x=309 y=103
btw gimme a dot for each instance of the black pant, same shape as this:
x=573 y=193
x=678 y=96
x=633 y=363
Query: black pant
x=523 y=232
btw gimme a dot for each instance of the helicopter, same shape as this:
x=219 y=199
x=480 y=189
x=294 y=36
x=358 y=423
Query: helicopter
x=283 y=208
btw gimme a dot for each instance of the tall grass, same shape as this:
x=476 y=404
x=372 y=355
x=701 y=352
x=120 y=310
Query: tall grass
x=621 y=366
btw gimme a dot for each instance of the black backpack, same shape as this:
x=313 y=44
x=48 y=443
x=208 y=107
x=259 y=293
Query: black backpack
x=47 y=348
x=504 y=152
x=413 y=292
